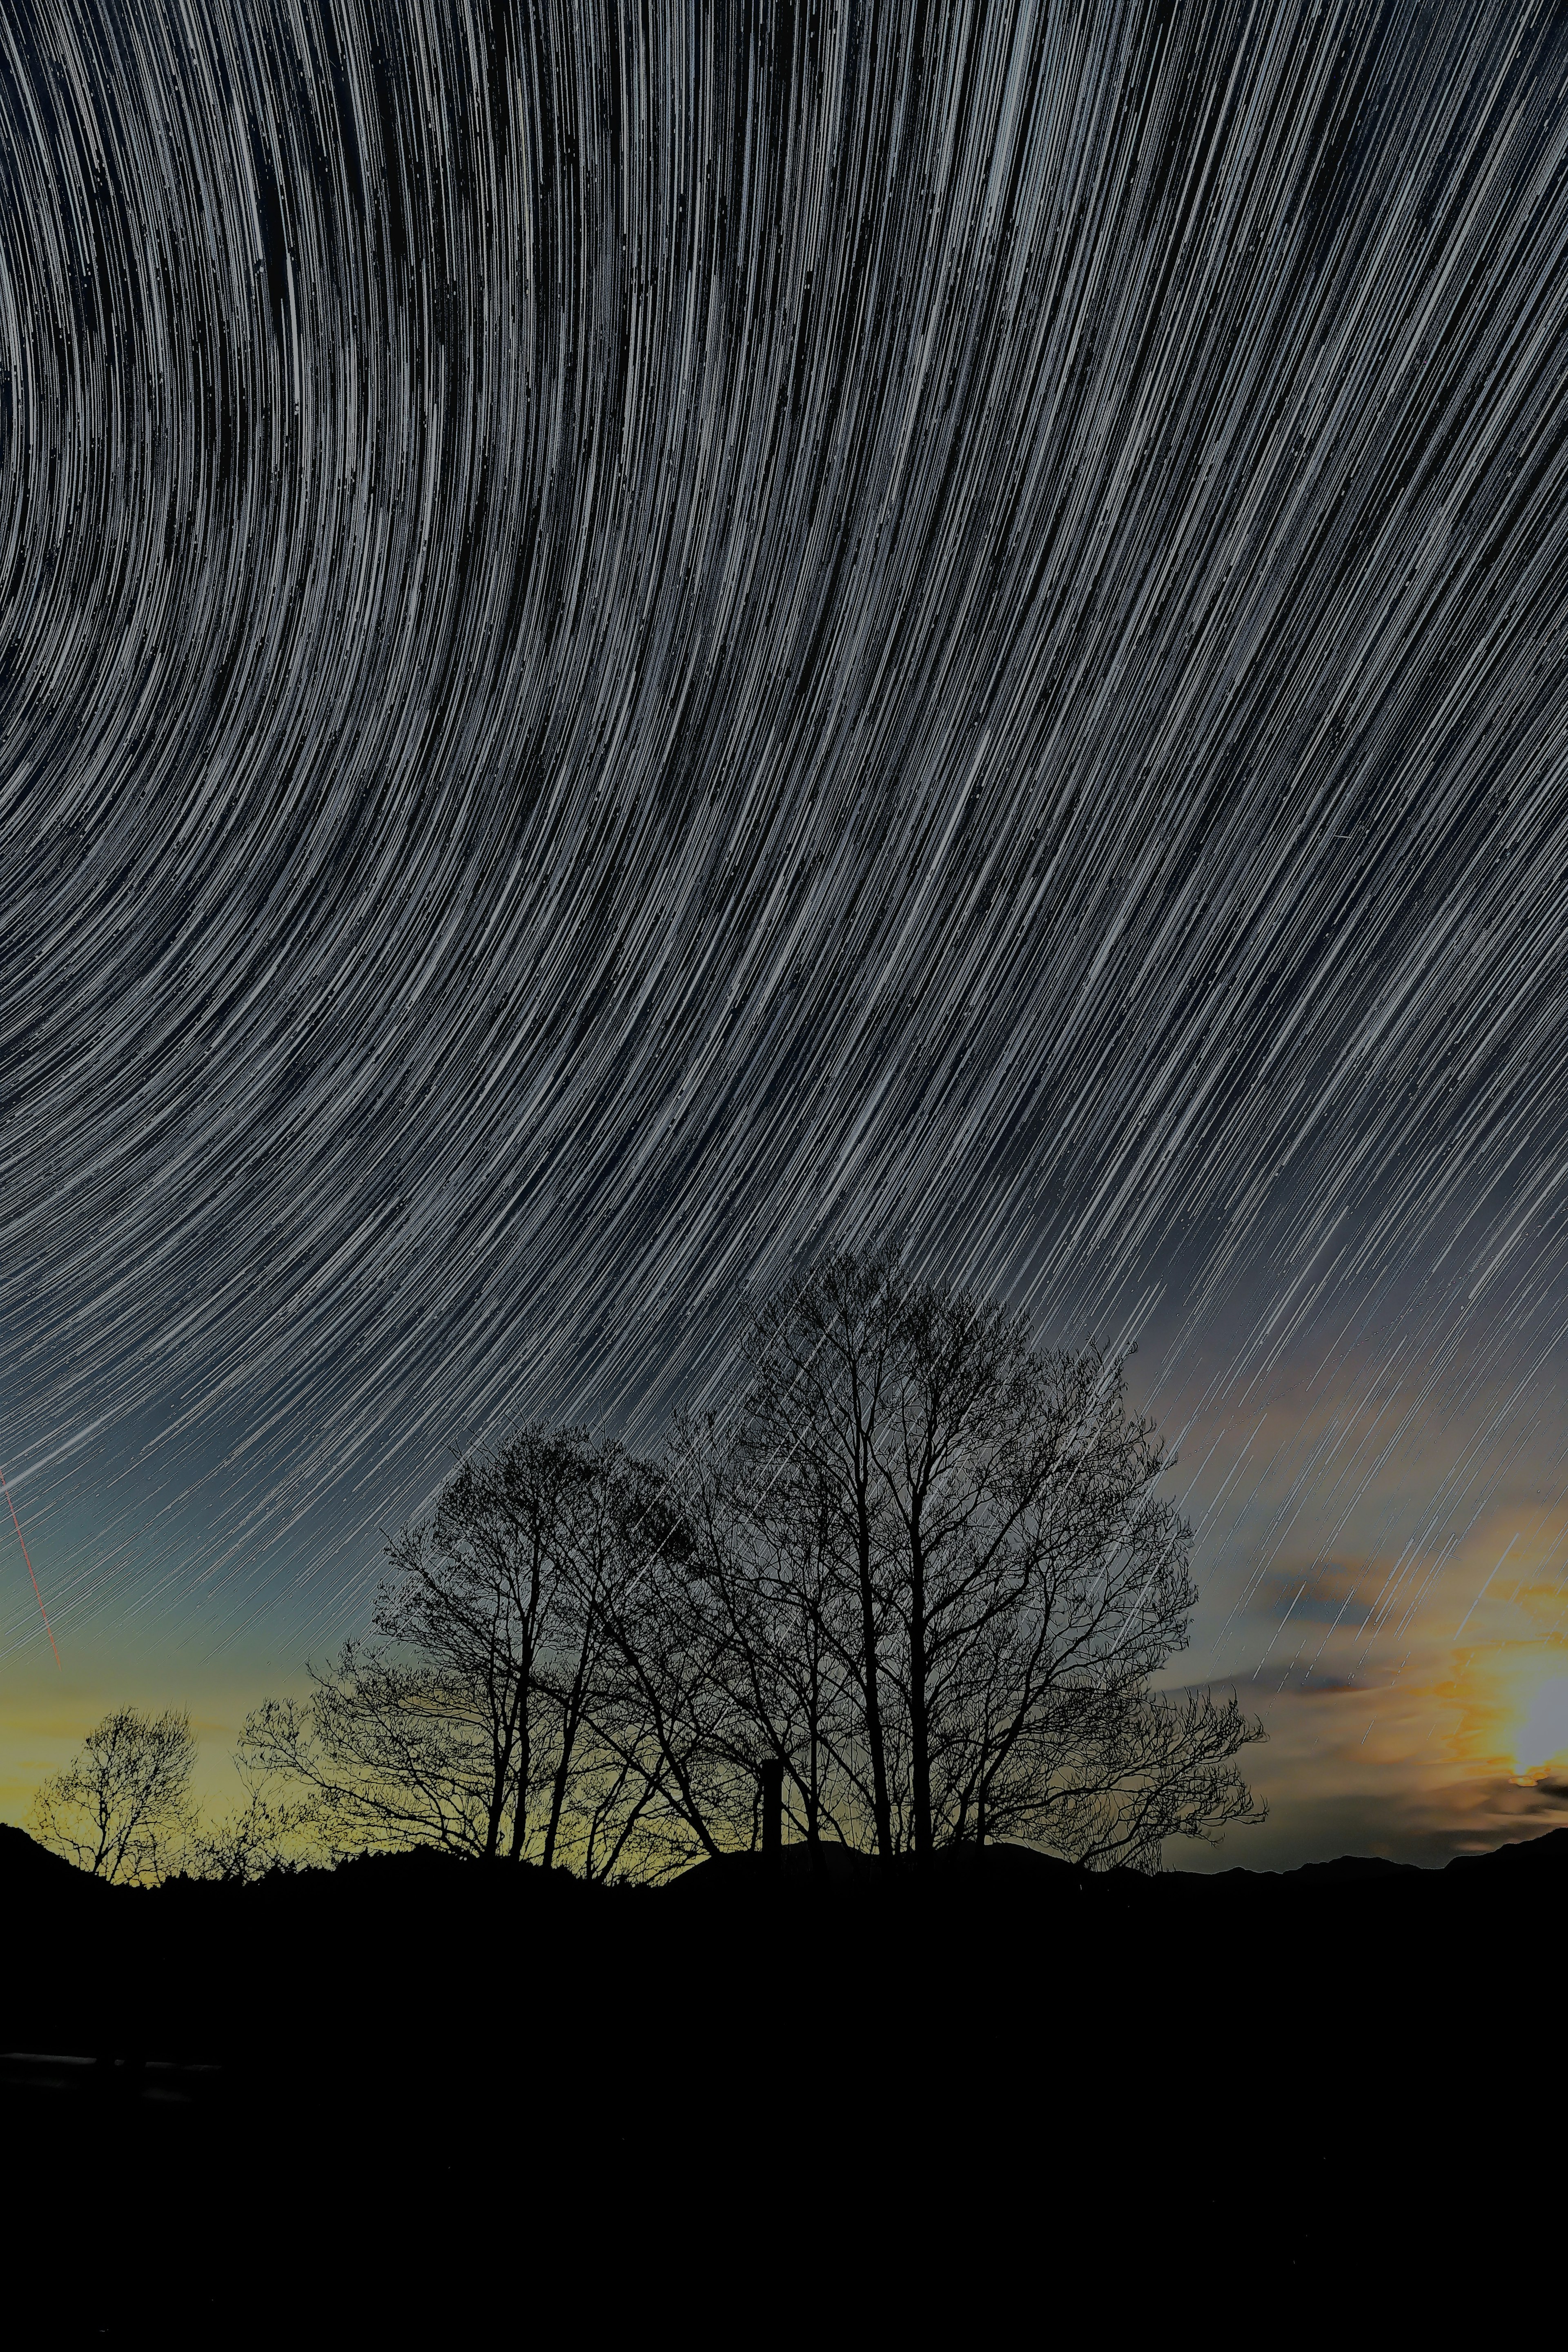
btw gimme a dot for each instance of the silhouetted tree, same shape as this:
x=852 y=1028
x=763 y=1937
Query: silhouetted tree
x=487 y=1712
x=122 y=1809
x=664 y=1719
x=271 y=1830
x=938 y=1583
x=930 y=1579
x=759 y=1612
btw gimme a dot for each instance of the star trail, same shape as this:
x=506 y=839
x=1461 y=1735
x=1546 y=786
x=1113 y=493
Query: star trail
x=634 y=639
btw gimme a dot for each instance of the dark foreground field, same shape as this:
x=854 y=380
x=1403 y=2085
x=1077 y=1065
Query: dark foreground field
x=420 y=2099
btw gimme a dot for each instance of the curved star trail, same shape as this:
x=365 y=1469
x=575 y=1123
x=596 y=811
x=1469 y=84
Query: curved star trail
x=634 y=638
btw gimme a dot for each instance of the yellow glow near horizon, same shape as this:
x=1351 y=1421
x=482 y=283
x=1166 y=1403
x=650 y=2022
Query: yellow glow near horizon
x=1544 y=1736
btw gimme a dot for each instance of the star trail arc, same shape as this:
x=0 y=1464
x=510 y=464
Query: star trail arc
x=636 y=637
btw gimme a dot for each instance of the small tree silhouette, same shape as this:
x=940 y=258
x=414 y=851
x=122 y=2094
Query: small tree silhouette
x=121 y=1809
x=269 y=1831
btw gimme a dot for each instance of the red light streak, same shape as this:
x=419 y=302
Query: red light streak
x=37 y=1596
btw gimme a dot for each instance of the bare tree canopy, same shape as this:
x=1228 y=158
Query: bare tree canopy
x=121 y=1809
x=491 y=1710
x=928 y=1574
x=934 y=1578
x=272 y=1830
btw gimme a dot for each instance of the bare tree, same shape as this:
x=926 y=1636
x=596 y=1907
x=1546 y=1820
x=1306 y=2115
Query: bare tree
x=373 y=1756
x=1008 y=1579
x=762 y=1604
x=122 y=1809
x=268 y=1831
x=931 y=1578
x=487 y=1713
x=822 y=1358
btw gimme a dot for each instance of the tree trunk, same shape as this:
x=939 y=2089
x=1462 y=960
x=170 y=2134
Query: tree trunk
x=920 y=1720
x=880 y=1798
x=520 y=1804
x=814 y=1793
x=569 y=1722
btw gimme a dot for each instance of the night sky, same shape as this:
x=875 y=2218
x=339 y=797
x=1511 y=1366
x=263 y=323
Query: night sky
x=635 y=639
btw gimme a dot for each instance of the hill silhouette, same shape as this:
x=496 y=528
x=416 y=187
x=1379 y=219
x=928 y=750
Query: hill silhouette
x=379 y=2037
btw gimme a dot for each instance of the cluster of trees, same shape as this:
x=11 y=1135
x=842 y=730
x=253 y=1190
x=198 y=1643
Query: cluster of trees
x=123 y=1809
x=928 y=1577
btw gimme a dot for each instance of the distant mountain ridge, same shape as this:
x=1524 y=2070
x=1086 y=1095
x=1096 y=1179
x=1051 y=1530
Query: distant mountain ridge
x=26 y=1866
x=1548 y=1852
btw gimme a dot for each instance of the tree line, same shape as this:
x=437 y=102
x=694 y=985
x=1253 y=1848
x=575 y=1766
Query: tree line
x=927 y=1576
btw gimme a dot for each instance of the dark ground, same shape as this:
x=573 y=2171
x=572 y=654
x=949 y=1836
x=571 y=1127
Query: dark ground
x=418 y=2099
